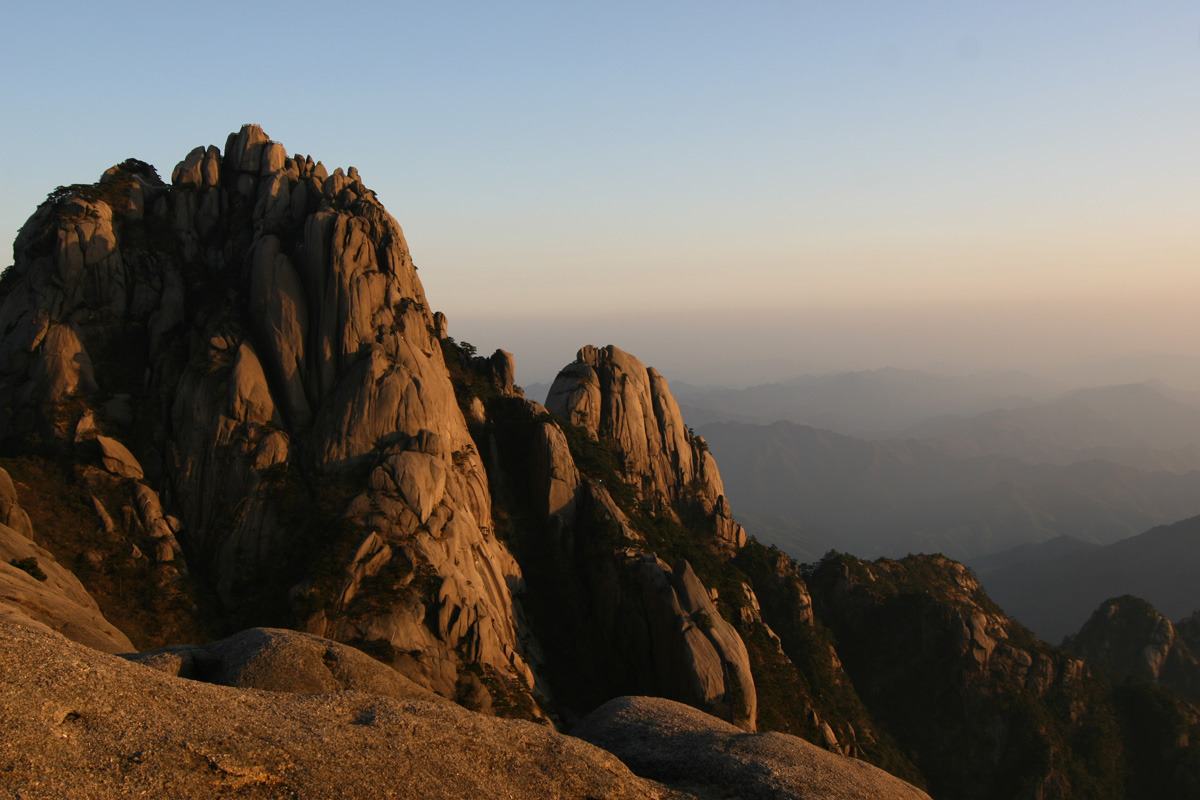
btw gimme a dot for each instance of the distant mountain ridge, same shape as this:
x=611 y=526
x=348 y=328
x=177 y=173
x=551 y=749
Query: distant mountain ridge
x=1148 y=425
x=1135 y=424
x=863 y=403
x=809 y=490
x=1053 y=596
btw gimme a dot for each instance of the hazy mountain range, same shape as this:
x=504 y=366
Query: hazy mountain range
x=891 y=461
x=1145 y=425
x=888 y=403
x=1148 y=424
x=1052 y=588
x=1055 y=502
x=809 y=490
x=869 y=403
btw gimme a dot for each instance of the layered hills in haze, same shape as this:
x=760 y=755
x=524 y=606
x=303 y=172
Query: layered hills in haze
x=1053 y=588
x=895 y=461
x=236 y=436
x=810 y=490
x=1140 y=425
x=867 y=403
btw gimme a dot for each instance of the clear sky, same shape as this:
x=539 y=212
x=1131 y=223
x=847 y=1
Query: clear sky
x=803 y=185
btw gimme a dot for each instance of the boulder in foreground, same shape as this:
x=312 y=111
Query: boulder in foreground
x=83 y=724
x=678 y=745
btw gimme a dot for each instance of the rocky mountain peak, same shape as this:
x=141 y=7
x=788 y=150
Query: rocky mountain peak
x=628 y=406
x=1127 y=637
x=242 y=373
x=251 y=344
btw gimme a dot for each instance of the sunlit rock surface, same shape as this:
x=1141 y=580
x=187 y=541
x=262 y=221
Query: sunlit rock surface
x=79 y=723
x=259 y=330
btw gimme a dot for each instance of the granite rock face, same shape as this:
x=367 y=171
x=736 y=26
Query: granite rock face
x=638 y=602
x=932 y=655
x=11 y=513
x=670 y=632
x=79 y=723
x=682 y=747
x=1126 y=637
x=37 y=591
x=252 y=345
x=243 y=368
x=618 y=400
x=226 y=404
x=278 y=660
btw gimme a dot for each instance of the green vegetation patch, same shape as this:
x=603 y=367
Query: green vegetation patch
x=29 y=565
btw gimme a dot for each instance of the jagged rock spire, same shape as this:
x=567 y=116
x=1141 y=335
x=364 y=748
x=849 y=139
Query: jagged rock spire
x=617 y=399
x=286 y=391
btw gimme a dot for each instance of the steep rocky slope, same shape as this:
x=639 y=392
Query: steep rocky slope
x=960 y=684
x=615 y=398
x=37 y=590
x=1127 y=637
x=604 y=612
x=237 y=386
x=983 y=707
x=247 y=359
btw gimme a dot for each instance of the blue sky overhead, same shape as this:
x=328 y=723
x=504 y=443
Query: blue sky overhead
x=864 y=183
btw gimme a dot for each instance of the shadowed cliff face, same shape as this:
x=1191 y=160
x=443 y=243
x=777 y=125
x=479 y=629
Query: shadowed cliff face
x=250 y=348
x=1126 y=637
x=665 y=471
x=986 y=709
x=587 y=506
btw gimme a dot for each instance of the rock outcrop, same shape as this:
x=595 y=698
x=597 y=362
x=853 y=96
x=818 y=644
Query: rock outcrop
x=618 y=400
x=279 y=660
x=36 y=590
x=684 y=748
x=252 y=345
x=1126 y=637
x=669 y=638
x=226 y=404
x=635 y=468
x=789 y=634
x=81 y=724
x=11 y=513
x=244 y=369
x=985 y=709
x=1188 y=630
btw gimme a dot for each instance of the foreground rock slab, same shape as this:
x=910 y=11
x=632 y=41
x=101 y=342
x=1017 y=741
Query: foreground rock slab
x=279 y=660
x=680 y=746
x=83 y=724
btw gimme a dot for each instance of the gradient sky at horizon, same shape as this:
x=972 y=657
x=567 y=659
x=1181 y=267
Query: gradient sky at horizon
x=905 y=184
